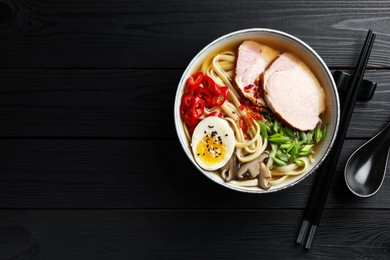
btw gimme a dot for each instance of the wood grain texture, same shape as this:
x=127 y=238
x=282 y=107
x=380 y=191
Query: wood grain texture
x=89 y=103
x=155 y=34
x=138 y=174
x=90 y=166
x=192 y=235
x=124 y=103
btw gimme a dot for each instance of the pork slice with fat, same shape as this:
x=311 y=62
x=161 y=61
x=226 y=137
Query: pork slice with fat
x=252 y=60
x=293 y=93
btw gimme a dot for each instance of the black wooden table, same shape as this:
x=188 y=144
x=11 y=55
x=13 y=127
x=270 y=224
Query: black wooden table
x=90 y=165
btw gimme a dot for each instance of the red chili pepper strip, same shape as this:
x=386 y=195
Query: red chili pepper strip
x=203 y=94
x=197 y=108
x=186 y=116
x=220 y=99
x=225 y=91
x=216 y=113
x=210 y=85
x=216 y=101
x=194 y=81
x=187 y=99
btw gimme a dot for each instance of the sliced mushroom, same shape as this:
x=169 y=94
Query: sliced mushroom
x=264 y=177
x=262 y=158
x=229 y=171
x=249 y=170
x=252 y=169
x=265 y=171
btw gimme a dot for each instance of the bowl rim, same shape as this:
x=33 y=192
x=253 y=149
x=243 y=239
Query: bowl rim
x=259 y=30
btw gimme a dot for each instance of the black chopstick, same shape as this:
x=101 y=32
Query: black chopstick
x=317 y=200
x=329 y=167
x=346 y=114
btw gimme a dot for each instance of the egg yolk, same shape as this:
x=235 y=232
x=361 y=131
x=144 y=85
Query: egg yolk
x=211 y=150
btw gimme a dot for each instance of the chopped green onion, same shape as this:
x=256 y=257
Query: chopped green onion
x=263 y=129
x=275 y=126
x=318 y=134
x=307 y=148
x=293 y=152
x=304 y=153
x=299 y=163
x=285 y=146
x=303 y=137
x=291 y=146
x=275 y=135
x=278 y=162
x=268 y=127
x=281 y=156
x=289 y=132
x=281 y=132
x=280 y=140
x=309 y=137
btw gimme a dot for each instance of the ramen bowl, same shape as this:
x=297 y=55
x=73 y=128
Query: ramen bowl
x=286 y=43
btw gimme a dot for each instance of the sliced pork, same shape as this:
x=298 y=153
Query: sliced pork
x=293 y=93
x=252 y=60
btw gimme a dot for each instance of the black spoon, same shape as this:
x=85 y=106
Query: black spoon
x=366 y=167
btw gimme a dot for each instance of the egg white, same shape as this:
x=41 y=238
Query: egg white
x=206 y=127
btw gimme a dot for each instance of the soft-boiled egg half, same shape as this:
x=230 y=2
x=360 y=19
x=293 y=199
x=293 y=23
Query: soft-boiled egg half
x=213 y=143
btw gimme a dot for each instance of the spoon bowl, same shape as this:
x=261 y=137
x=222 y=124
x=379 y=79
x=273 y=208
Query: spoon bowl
x=366 y=167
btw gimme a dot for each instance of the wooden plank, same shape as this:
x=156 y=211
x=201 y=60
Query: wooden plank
x=87 y=103
x=138 y=174
x=190 y=235
x=376 y=110
x=123 y=103
x=146 y=34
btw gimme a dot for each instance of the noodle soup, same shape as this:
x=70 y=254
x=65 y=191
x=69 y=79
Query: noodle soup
x=256 y=110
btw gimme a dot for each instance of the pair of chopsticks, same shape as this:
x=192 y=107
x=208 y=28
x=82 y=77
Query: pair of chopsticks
x=320 y=190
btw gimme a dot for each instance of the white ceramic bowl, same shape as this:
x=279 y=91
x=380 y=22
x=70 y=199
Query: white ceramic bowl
x=289 y=43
